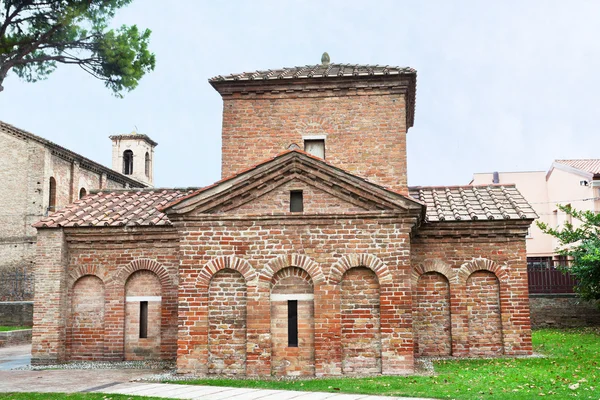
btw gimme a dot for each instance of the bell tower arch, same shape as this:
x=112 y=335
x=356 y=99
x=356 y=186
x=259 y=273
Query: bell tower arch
x=133 y=155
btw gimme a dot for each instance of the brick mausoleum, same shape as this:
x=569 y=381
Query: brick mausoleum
x=310 y=257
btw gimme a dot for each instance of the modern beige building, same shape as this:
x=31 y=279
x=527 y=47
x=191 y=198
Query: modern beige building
x=574 y=182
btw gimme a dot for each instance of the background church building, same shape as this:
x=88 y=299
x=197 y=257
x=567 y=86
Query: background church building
x=310 y=257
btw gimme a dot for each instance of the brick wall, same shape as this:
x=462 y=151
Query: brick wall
x=563 y=311
x=143 y=284
x=483 y=307
x=432 y=323
x=278 y=201
x=358 y=127
x=324 y=248
x=361 y=339
x=292 y=360
x=85 y=338
x=485 y=265
x=227 y=323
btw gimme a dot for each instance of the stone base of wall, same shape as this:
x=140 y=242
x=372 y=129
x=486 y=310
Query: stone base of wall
x=14 y=338
x=562 y=311
x=16 y=313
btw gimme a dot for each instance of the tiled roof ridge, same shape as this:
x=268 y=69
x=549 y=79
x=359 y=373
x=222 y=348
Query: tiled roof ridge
x=577 y=159
x=483 y=185
x=310 y=70
x=146 y=189
x=109 y=171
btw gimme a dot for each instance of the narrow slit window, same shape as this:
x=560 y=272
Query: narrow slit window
x=143 y=319
x=296 y=201
x=52 y=196
x=316 y=147
x=292 y=323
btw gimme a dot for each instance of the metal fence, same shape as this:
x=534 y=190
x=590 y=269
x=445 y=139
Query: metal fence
x=16 y=283
x=544 y=277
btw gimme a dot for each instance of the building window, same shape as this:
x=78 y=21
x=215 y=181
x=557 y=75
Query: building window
x=147 y=164
x=316 y=147
x=82 y=193
x=296 y=201
x=143 y=319
x=52 y=197
x=128 y=162
x=292 y=323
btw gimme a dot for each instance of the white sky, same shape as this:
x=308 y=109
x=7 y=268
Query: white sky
x=501 y=86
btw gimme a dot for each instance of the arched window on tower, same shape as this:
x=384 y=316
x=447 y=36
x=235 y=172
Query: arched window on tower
x=52 y=196
x=128 y=162
x=147 y=165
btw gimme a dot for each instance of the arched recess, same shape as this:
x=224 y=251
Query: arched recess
x=292 y=323
x=292 y=260
x=484 y=314
x=360 y=260
x=360 y=313
x=84 y=270
x=436 y=265
x=432 y=323
x=143 y=315
x=166 y=280
x=85 y=338
x=479 y=264
x=227 y=323
x=225 y=262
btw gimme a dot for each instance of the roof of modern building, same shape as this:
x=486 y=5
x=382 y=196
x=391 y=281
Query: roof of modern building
x=470 y=203
x=70 y=155
x=317 y=71
x=590 y=165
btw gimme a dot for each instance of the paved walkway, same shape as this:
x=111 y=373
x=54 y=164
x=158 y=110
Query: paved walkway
x=173 y=391
x=121 y=381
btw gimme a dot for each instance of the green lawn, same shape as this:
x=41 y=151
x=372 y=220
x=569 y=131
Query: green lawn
x=72 y=396
x=13 y=328
x=571 y=369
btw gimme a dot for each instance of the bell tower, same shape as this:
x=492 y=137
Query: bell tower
x=133 y=155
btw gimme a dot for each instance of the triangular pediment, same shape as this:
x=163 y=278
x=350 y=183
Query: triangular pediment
x=264 y=189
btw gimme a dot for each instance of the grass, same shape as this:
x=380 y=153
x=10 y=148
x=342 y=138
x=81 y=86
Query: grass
x=571 y=369
x=72 y=396
x=13 y=328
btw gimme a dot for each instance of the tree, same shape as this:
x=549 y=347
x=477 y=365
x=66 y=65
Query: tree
x=583 y=245
x=35 y=35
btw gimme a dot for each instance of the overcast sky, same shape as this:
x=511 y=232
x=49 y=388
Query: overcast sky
x=501 y=86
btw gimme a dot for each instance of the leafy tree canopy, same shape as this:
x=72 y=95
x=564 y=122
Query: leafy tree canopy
x=35 y=35
x=583 y=245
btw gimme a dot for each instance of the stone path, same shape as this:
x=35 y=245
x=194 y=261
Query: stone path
x=174 y=391
x=120 y=381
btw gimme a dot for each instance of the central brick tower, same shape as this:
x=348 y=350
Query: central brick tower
x=354 y=116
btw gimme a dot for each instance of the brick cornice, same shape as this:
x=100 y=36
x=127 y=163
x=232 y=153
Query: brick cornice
x=492 y=228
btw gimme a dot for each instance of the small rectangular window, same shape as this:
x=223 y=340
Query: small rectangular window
x=316 y=147
x=296 y=201
x=143 y=319
x=292 y=323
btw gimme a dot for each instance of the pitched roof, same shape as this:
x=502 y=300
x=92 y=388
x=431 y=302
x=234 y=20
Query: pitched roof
x=70 y=155
x=469 y=203
x=129 y=207
x=317 y=71
x=591 y=166
x=257 y=180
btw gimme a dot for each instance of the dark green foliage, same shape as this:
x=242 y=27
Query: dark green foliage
x=583 y=245
x=35 y=35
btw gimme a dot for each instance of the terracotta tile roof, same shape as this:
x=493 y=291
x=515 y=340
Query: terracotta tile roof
x=317 y=71
x=587 y=165
x=469 y=203
x=116 y=208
